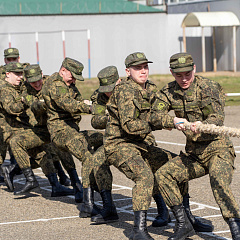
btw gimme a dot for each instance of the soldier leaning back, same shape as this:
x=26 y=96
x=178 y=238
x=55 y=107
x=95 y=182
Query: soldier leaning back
x=64 y=108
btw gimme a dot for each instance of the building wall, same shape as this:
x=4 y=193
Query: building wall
x=224 y=35
x=113 y=37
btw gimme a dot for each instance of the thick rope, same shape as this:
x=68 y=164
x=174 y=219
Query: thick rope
x=213 y=129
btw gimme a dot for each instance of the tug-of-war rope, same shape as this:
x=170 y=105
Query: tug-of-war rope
x=213 y=129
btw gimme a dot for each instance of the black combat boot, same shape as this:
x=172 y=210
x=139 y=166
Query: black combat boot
x=31 y=182
x=139 y=231
x=76 y=184
x=57 y=189
x=1 y=173
x=12 y=158
x=88 y=208
x=63 y=178
x=9 y=171
x=234 y=225
x=183 y=227
x=163 y=217
x=197 y=225
x=1 y=179
x=108 y=212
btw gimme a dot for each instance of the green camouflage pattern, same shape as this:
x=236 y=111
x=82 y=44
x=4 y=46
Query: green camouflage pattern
x=64 y=108
x=33 y=73
x=74 y=67
x=3 y=73
x=99 y=110
x=17 y=128
x=13 y=67
x=181 y=62
x=136 y=59
x=129 y=144
x=11 y=53
x=205 y=153
x=108 y=77
x=102 y=172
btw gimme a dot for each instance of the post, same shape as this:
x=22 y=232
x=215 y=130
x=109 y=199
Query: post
x=9 y=40
x=184 y=40
x=234 y=50
x=89 y=56
x=36 y=37
x=214 y=52
x=63 y=40
x=203 y=52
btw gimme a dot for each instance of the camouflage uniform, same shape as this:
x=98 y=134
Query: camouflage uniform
x=8 y=53
x=33 y=99
x=130 y=145
x=205 y=154
x=99 y=120
x=64 y=108
x=18 y=125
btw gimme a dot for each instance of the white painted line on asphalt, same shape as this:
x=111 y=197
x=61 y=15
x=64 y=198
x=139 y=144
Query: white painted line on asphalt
x=171 y=143
x=205 y=205
x=215 y=236
x=124 y=210
x=39 y=220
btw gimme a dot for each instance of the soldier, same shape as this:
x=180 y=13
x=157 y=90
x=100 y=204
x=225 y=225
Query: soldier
x=130 y=145
x=31 y=92
x=10 y=55
x=108 y=78
x=195 y=98
x=64 y=108
x=25 y=135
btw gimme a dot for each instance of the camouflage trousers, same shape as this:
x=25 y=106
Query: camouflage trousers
x=80 y=144
x=102 y=172
x=140 y=166
x=186 y=167
x=33 y=143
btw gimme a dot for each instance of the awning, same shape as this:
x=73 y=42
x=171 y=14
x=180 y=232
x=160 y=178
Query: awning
x=210 y=19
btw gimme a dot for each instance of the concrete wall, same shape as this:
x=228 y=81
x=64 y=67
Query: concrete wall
x=113 y=37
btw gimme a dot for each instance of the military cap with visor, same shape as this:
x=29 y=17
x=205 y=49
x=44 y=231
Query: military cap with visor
x=33 y=73
x=74 y=67
x=181 y=62
x=11 y=53
x=108 y=77
x=13 y=67
x=135 y=59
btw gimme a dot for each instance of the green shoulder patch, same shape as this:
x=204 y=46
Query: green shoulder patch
x=100 y=109
x=62 y=90
x=161 y=106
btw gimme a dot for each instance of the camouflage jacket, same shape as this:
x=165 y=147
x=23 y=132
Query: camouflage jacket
x=203 y=101
x=99 y=110
x=64 y=104
x=16 y=113
x=129 y=109
x=35 y=101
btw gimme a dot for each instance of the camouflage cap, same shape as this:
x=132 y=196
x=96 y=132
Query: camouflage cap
x=11 y=53
x=33 y=73
x=74 y=67
x=181 y=62
x=108 y=77
x=13 y=67
x=136 y=59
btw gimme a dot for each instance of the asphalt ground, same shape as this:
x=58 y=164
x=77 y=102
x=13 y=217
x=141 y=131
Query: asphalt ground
x=40 y=216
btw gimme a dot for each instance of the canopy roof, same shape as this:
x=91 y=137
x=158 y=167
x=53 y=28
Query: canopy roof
x=210 y=19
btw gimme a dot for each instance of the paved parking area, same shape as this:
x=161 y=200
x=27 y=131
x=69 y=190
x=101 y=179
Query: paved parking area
x=40 y=216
